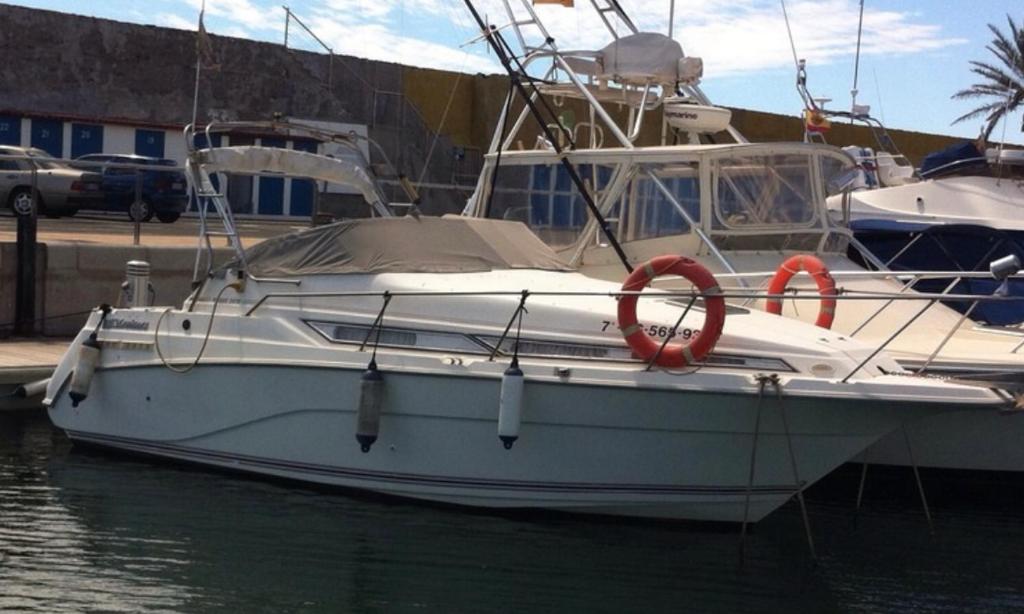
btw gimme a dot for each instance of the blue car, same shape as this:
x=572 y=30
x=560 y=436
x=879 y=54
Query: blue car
x=164 y=193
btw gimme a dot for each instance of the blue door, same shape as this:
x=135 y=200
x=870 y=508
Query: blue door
x=48 y=135
x=10 y=130
x=303 y=189
x=86 y=139
x=271 y=188
x=149 y=143
x=199 y=140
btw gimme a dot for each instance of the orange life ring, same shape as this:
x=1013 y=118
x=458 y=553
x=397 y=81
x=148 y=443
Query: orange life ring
x=674 y=355
x=816 y=268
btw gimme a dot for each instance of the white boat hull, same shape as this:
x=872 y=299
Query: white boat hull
x=957 y=440
x=582 y=448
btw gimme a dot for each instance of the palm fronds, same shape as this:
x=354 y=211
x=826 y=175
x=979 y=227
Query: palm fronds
x=1003 y=82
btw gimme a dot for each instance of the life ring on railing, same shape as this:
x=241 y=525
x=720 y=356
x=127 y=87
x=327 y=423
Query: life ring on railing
x=817 y=270
x=674 y=355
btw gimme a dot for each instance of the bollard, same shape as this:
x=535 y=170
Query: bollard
x=25 y=284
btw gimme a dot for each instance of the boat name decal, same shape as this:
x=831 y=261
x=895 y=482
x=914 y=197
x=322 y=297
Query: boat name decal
x=121 y=323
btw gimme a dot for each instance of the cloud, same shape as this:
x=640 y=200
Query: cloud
x=246 y=15
x=743 y=36
x=173 y=20
x=735 y=37
x=390 y=30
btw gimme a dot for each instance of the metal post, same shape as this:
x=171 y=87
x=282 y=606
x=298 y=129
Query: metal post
x=287 y=21
x=753 y=465
x=917 y=480
x=25 y=289
x=860 y=486
x=137 y=208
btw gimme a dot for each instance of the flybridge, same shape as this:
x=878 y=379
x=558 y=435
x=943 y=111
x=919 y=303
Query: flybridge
x=643 y=70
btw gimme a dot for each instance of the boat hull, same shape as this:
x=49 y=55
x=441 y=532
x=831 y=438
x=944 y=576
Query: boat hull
x=620 y=450
x=977 y=441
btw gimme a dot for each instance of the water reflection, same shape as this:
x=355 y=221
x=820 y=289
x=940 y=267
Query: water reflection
x=81 y=531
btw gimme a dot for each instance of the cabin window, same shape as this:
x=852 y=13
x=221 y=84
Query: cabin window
x=837 y=174
x=543 y=197
x=396 y=337
x=554 y=200
x=654 y=213
x=764 y=192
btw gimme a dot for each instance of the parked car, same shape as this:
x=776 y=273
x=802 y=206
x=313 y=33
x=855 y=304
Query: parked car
x=63 y=190
x=164 y=192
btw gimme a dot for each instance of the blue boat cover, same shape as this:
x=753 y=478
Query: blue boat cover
x=950 y=247
x=888 y=226
x=956 y=153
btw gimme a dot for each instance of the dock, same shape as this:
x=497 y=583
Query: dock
x=23 y=361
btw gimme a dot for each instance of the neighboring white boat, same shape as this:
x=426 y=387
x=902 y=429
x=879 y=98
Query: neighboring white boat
x=989 y=192
x=375 y=355
x=742 y=210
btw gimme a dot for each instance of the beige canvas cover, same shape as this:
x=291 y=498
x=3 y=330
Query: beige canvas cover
x=449 y=244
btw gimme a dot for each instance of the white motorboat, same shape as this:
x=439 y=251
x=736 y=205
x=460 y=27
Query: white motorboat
x=742 y=210
x=379 y=354
x=971 y=190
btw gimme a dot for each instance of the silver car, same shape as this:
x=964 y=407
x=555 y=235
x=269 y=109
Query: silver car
x=62 y=189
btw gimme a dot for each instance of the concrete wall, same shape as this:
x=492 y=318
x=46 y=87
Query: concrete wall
x=113 y=70
x=110 y=72
x=75 y=277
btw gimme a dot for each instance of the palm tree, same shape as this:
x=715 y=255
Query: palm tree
x=1003 y=82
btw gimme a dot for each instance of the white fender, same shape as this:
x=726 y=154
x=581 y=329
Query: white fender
x=85 y=368
x=510 y=405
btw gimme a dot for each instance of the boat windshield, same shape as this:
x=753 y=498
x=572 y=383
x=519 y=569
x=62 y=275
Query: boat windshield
x=663 y=203
x=543 y=197
x=769 y=198
x=764 y=191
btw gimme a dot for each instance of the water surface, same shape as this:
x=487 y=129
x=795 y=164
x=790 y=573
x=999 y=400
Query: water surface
x=87 y=532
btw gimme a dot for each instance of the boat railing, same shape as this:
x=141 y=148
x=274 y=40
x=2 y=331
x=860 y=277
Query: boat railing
x=727 y=292
x=691 y=296
x=956 y=166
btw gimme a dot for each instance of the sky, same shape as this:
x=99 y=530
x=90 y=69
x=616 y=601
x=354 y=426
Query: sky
x=914 y=53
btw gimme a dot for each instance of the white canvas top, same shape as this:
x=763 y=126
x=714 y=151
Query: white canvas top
x=254 y=160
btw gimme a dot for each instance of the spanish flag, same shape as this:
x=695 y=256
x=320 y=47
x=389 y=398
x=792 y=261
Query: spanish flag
x=815 y=121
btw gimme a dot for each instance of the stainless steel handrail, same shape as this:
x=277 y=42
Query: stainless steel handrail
x=734 y=294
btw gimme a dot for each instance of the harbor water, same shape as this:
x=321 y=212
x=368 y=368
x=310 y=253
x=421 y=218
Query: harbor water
x=88 y=532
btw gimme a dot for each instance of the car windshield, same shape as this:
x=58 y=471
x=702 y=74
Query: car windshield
x=44 y=160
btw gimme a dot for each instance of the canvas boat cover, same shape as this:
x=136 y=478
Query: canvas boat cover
x=962 y=155
x=449 y=244
x=642 y=57
x=645 y=57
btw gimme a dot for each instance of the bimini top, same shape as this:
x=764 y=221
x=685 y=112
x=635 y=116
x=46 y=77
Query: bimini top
x=449 y=244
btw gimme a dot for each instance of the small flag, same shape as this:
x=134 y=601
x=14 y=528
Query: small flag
x=204 y=47
x=565 y=3
x=815 y=121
